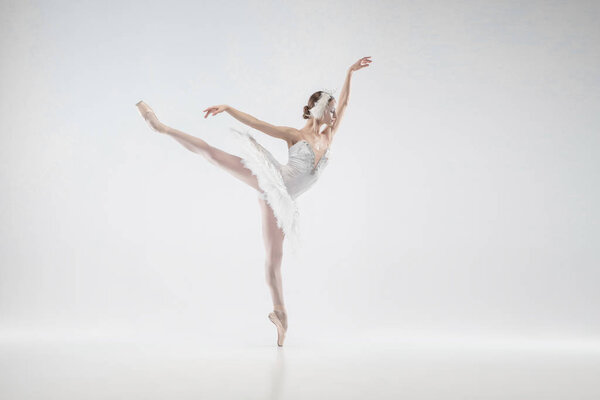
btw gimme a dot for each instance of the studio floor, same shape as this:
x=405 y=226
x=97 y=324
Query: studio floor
x=410 y=368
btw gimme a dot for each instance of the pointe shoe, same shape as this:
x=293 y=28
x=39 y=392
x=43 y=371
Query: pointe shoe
x=144 y=108
x=150 y=117
x=280 y=329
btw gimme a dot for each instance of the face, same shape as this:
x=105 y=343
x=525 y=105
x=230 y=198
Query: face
x=330 y=116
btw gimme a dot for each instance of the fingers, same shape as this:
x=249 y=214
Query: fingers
x=364 y=62
x=208 y=111
x=212 y=111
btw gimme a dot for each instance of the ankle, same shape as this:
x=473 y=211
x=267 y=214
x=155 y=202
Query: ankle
x=279 y=307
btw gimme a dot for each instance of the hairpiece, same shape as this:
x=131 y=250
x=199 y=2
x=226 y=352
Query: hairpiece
x=318 y=110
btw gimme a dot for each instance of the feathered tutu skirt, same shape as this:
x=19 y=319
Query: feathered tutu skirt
x=267 y=170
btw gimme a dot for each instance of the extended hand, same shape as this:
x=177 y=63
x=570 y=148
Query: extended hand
x=363 y=62
x=214 y=110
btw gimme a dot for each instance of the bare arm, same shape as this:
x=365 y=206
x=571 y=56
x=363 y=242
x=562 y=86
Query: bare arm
x=342 y=102
x=282 y=132
x=345 y=93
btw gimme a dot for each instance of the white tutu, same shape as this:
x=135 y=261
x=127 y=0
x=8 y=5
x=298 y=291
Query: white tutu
x=268 y=172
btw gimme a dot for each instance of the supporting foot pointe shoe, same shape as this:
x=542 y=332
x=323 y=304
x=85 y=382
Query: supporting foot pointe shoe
x=280 y=329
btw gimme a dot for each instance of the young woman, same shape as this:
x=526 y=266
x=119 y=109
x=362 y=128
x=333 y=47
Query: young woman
x=278 y=185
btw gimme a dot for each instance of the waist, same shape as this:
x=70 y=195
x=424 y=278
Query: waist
x=296 y=181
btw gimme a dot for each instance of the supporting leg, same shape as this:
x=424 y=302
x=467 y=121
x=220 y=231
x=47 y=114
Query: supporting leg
x=273 y=238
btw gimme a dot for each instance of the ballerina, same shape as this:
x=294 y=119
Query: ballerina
x=277 y=185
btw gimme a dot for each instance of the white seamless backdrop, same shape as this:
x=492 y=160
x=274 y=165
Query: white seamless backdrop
x=460 y=198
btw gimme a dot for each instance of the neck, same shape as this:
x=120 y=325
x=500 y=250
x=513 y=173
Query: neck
x=313 y=127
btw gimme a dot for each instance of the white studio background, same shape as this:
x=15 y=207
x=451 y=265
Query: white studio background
x=460 y=198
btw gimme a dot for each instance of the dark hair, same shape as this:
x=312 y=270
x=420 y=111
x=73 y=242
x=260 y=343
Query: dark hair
x=311 y=102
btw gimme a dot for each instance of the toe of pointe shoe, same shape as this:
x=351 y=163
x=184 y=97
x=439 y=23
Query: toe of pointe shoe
x=280 y=330
x=142 y=104
x=144 y=109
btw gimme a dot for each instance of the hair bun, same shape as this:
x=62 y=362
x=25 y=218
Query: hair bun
x=306 y=114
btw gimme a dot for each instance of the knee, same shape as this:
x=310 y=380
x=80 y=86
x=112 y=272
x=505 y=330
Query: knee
x=272 y=276
x=209 y=154
x=274 y=257
x=272 y=268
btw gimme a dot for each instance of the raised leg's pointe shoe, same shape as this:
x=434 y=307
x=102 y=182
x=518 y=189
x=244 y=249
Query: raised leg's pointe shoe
x=280 y=329
x=150 y=117
x=144 y=108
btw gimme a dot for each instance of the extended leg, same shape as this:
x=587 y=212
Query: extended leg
x=229 y=162
x=273 y=238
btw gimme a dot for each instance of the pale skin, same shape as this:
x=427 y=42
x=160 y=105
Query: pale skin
x=320 y=141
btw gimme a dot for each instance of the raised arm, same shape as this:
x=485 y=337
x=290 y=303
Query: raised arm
x=282 y=132
x=342 y=101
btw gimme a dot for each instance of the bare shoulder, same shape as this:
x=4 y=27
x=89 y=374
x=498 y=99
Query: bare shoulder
x=293 y=136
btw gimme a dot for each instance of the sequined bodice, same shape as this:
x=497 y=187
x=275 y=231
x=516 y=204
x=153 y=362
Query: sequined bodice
x=300 y=154
x=301 y=172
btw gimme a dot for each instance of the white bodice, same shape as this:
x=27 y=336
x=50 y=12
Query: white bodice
x=300 y=173
x=280 y=184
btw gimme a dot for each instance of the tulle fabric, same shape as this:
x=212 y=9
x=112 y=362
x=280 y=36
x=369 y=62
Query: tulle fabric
x=268 y=172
